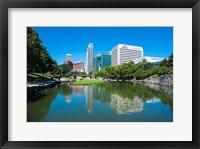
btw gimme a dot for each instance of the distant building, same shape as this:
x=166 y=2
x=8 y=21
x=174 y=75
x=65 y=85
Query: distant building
x=78 y=66
x=69 y=63
x=101 y=61
x=89 y=58
x=153 y=60
x=125 y=53
x=69 y=57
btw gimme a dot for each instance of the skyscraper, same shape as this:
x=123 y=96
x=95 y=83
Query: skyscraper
x=101 y=61
x=89 y=58
x=125 y=53
x=69 y=57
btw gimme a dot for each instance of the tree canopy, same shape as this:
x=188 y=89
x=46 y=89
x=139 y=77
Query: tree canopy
x=138 y=71
x=38 y=58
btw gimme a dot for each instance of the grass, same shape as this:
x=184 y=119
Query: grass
x=88 y=82
x=37 y=77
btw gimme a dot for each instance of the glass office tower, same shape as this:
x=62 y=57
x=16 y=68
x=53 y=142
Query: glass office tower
x=101 y=61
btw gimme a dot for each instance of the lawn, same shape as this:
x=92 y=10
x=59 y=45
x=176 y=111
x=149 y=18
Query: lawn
x=88 y=82
x=37 y=77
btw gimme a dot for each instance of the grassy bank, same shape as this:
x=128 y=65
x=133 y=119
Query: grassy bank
x=38 y=77
x=88 y=82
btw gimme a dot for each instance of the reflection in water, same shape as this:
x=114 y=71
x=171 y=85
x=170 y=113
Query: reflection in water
x=126 y=105
x=78 y=90
x=110 y=101
x=68 y=98
x=66 y=90
x=36 y=110
x=101 y=96
x=89 y=98
x=144 y=92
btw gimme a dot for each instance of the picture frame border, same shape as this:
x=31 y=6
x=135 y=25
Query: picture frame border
x=6 y=4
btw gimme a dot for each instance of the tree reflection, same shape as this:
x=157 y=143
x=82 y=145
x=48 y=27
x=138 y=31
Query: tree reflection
x=37 y=109
x=142 y=91
x=101 y=96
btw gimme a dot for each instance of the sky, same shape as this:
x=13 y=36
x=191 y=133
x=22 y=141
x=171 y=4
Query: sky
x=59 y=41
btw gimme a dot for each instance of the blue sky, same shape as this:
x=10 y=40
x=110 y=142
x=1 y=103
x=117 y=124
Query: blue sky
x=59 y=41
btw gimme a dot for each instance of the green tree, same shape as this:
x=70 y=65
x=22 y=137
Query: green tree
x=38 y=58
x=65 y=69
x=168 y=62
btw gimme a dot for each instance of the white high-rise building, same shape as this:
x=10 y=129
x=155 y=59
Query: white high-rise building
x=89 y=58
x=125 y=53
x=69 y=57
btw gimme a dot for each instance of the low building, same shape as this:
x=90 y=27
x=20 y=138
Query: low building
x=153 y=60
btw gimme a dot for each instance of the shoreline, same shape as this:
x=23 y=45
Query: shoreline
x=33 y=88
x=163 y=80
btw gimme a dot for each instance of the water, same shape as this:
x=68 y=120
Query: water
x=105 y=102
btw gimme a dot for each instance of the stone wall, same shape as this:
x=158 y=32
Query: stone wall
x=164 y=80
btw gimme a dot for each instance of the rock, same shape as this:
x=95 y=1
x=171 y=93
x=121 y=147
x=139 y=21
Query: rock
x=164 y=80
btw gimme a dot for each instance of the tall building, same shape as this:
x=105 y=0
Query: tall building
x=89 y=58
x=125 y=53
x=101 y=61
x=69 y=57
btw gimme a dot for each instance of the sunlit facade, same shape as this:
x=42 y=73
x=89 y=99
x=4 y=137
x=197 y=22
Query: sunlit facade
x=125 y=53
x=89 y=58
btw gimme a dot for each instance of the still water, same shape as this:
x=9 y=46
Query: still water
x=105 y=102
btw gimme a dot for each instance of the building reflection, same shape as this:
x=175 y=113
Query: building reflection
x=78 y=90
x=126 y=105
x=153 y=100
x=120 y=104
x=66 y=90
x=89 y=98
x=101 y=96
x=68 y=98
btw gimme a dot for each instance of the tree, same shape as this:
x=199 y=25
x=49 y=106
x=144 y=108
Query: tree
x=38 y=58
x=91 y=72
x=140 y=74
x=83 y=73
x=168 y=62
x=65 y=69
x=170 y=59
x=164 y=62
